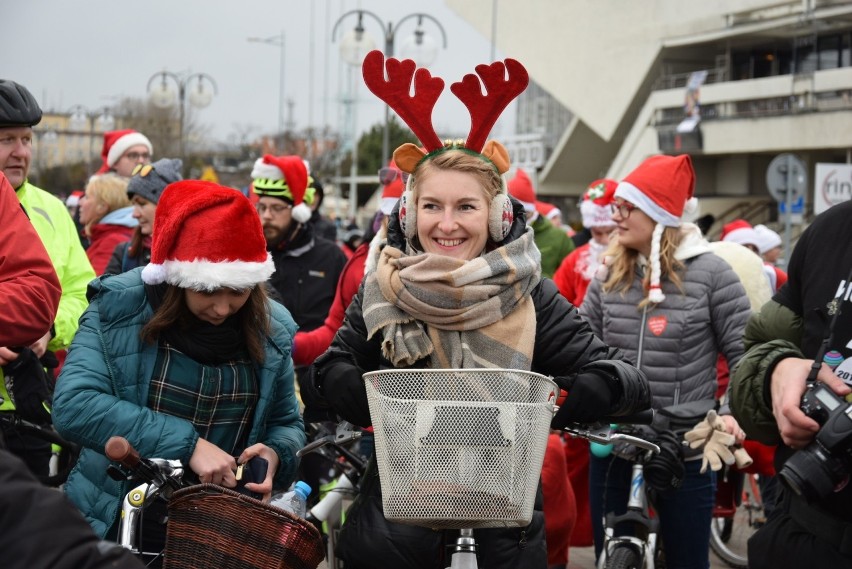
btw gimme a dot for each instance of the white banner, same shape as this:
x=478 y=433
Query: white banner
x=832 y=185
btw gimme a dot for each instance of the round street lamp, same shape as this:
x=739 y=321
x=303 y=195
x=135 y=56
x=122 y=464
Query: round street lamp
x=82 y=119
x=164 y=95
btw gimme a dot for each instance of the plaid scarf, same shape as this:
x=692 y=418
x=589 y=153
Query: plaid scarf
x=461 y=314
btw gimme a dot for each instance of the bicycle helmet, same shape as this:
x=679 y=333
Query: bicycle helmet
x=17 y=105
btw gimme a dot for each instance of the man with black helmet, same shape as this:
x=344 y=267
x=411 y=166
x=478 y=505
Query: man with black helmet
x=19 y=112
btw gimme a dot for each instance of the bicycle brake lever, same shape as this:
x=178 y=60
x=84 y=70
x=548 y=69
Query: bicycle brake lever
x=635 y=441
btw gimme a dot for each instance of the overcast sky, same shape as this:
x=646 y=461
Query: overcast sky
x=93 y=52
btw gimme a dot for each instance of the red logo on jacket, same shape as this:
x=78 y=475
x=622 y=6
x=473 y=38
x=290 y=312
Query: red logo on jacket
x=657 y=324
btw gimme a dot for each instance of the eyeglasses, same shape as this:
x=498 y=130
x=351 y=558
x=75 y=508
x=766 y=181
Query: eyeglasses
x=134 y=156
x=388 y=175
x=277 y=209
x=142 y=170
x=623 y=208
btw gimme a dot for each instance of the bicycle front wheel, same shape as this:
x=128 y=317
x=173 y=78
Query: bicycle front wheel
x=624 y=557
x=729 y=535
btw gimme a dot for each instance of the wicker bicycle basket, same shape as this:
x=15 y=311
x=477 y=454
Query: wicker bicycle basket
x=210 y=526
x=460 y=448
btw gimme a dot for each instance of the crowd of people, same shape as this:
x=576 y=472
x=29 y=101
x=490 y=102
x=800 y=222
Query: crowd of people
x=210 y=327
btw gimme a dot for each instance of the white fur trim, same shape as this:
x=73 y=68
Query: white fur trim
x=749 y=268
x=302 y=213
x=117 y=150
x=691 y=209
x=655 y=294
x=528 y=207
x=637 y=197
x=202 y=274
x=768 y=239
x=263 y=171
x=595 y=215
x=555 y=212
x=743 y=236
x=386 y=205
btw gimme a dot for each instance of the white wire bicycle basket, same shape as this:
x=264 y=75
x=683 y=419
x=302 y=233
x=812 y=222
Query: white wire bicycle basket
x=460 y=448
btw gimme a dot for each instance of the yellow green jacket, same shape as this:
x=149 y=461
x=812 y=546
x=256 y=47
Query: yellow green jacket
x=58 y=233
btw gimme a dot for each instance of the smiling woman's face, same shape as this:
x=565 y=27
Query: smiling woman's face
x=452 y=215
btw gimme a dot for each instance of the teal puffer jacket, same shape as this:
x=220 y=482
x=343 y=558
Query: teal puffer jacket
x=103 y=390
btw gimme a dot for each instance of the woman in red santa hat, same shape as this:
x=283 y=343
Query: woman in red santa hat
x=186 y=358
x=671 y=305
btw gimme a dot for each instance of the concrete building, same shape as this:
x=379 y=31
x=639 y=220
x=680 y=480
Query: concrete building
x=733 y=83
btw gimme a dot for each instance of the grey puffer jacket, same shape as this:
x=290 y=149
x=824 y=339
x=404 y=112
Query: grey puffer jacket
x=676 y=342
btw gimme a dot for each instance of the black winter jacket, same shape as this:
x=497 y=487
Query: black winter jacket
x=565 y=349
x=307 y=269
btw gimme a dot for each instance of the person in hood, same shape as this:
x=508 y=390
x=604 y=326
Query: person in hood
x=671 y=305
x=107 y=217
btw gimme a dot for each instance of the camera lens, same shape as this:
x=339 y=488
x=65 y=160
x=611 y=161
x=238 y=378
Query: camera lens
x=812 y=473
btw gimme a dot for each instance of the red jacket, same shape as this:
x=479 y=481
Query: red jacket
x=29 y=288
x=103 y=239
x=310 y=345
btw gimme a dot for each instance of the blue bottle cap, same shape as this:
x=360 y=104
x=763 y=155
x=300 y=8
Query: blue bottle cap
x=303 y=488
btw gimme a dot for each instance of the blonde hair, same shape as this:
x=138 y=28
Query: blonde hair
x=109 y=189
x=622 y=262
x=460 y=160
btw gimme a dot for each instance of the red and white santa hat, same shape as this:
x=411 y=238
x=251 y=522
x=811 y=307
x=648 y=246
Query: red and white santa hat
x=595 y=203
x=662 y=187
x=768 y=239
x=547 y=210
x=117 y=142
x=740 y=231
x=207 y=237
x=285 y=177
x=391 y=192
x=521 y=188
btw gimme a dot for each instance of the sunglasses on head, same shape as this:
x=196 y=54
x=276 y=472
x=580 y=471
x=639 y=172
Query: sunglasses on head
x=388 y=175
x=142 y=170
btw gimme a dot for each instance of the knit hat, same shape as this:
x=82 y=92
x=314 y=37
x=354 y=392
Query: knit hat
x=207 y=237
x=767 y=239
x=116 y=143
x=151 y=179
x=595 y=203
x=740 y=231
x=391 y=192
x=285 y=177
x=521 y=188
x=662 y=187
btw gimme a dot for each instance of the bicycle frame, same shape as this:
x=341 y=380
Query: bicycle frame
x=637 y=513
x=138 y=498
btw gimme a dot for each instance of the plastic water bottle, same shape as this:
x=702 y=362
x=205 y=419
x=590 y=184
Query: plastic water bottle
x=294 y=501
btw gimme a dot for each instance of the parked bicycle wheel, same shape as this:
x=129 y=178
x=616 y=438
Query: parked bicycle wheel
x=624 y=557
x=729 y=533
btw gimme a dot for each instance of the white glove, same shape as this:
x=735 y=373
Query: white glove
x=710 y=434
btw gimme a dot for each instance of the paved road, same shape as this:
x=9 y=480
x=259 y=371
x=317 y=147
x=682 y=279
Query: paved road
x=584 y=558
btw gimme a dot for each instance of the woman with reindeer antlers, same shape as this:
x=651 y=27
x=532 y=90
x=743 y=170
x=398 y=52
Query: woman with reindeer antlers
x=458 y=285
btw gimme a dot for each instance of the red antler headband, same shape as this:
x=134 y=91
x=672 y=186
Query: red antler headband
x=503 y=82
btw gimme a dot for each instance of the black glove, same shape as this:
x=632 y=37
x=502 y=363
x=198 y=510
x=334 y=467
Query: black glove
x=589 y=399
x=339 y=381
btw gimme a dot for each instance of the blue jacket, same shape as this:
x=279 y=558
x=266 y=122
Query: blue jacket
x=103 y=391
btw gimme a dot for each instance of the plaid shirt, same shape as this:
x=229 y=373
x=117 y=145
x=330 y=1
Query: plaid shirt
x=218 y=400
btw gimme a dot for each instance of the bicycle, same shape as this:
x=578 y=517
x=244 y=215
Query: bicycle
x=328 y=512
x=63 y=454
x=738 y=513
x=640 y=548
x=439 y=474
x=207 y=525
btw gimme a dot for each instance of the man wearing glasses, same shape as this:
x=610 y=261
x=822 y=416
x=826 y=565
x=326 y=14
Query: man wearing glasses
x=19 y=112
x=123 y=150
x=307 y=267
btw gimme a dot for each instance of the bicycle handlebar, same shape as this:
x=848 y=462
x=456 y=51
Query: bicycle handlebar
x=119 y=449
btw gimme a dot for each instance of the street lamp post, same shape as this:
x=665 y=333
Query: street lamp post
x=164 y=96
x=419 y=46
x=82 y=117
x=277 y=41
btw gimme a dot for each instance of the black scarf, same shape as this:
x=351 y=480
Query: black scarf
x=202 y=341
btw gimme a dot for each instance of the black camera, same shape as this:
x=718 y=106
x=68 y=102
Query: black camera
x=825 y=464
